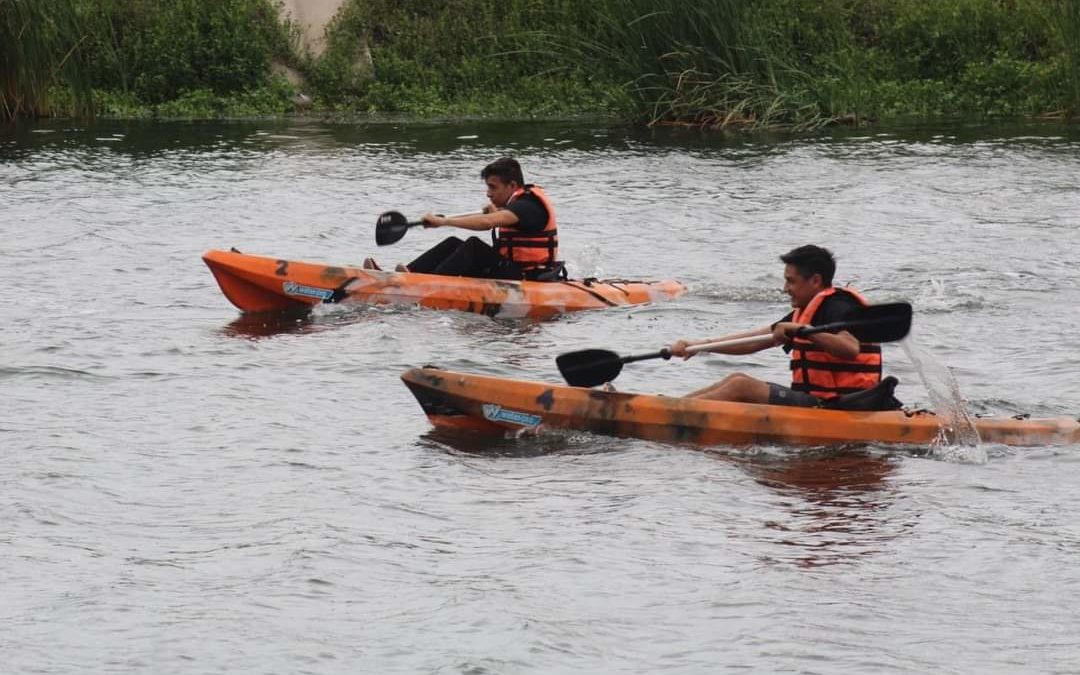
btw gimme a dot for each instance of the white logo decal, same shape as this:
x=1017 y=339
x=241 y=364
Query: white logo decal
x=293 y=288
x=496 y=413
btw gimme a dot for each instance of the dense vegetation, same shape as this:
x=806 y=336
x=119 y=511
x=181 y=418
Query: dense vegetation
x=134 y=56
x=705 y=62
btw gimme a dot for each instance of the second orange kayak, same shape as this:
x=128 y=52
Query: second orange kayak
x=261 y=284
x=496 y=404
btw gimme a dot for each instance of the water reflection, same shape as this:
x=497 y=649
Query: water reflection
x=269 y=324
x=318 y=319
x=838 y=505
x=513 y=445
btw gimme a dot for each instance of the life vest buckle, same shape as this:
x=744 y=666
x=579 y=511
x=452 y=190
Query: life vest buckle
x=554 y=272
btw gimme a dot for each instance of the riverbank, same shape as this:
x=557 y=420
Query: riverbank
x=710 y=63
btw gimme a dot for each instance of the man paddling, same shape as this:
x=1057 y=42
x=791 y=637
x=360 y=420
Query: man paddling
x=823 y=365
x=525 y=239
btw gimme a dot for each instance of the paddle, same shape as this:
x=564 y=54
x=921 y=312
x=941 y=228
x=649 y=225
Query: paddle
x=392 y=226
x=876 y=323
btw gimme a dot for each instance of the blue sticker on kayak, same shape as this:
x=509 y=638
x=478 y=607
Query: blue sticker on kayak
x=293 y=288
x=497 y=413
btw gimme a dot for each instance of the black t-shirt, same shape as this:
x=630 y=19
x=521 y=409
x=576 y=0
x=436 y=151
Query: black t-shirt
x=531 y=213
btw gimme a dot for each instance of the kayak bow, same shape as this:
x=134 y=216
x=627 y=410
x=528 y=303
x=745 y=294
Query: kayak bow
x=261 y=284
x=494 y=404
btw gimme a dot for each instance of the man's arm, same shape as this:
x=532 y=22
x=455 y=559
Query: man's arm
x=476 y=221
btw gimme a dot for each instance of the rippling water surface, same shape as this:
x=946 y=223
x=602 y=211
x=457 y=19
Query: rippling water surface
x=188 y=491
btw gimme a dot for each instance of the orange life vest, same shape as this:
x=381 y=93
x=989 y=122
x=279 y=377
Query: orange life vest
x=529 y=250
x=821 y=374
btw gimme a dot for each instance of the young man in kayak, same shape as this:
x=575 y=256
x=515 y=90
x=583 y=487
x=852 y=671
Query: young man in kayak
x=525 y=239
x=823 y=365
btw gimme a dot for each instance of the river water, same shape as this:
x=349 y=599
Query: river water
x=187 y=491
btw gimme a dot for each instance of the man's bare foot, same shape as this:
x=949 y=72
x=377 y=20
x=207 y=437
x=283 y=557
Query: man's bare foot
x=370 y=264
x=401 y=268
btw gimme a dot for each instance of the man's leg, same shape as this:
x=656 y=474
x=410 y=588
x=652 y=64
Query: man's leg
x=430 y=259
x=781 y=395
x=735 y=387
x=474 y=258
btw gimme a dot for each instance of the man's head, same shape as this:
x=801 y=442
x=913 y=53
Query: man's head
x=808 y=271
x=503 y=177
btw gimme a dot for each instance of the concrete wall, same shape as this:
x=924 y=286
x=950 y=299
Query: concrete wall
x=312 y=16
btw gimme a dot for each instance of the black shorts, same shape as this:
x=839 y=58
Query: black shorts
x=781 y=395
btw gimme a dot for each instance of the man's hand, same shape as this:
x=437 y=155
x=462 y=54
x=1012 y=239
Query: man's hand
x=433 y=220
x=679 y=349
x=784 y=331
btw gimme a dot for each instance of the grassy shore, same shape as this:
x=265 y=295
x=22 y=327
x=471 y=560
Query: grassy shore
x=712 y=63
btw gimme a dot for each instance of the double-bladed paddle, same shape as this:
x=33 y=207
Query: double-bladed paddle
x=392 y=226
x=876 y=323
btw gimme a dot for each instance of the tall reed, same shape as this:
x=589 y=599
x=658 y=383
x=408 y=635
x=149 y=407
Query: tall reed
x=39 y=47
x=1065 y=18
x=699 y=62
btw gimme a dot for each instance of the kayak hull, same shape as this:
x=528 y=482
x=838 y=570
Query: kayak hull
x=493 y=404
x=262 y=284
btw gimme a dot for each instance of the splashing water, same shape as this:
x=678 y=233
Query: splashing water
x=587 y=263
x=957 y=439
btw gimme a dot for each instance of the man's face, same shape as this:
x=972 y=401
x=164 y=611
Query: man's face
x=801 y=289
x=499 y=192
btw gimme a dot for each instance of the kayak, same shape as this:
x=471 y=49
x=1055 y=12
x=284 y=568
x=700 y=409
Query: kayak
x=495 y=404
x=260 y=284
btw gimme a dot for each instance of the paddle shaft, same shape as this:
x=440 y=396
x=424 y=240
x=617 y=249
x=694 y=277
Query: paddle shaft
x=591 y=367
x=766 y=340
x=665 y=353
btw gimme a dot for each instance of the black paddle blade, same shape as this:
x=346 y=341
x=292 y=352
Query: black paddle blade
x=882 y=323
x=390 y=227
x=589 y=367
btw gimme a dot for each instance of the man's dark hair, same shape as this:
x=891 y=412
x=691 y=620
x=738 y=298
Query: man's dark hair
x=506 y=169
x=810 y=260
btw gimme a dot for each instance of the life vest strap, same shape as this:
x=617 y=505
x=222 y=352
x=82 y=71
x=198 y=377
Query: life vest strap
x=799 y=364
x=864 y=348
x=515 y=234
x=534 y=244
x=820 y=389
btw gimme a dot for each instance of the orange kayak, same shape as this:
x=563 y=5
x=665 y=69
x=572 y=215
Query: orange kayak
x=495 y=404
x=259 y=284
